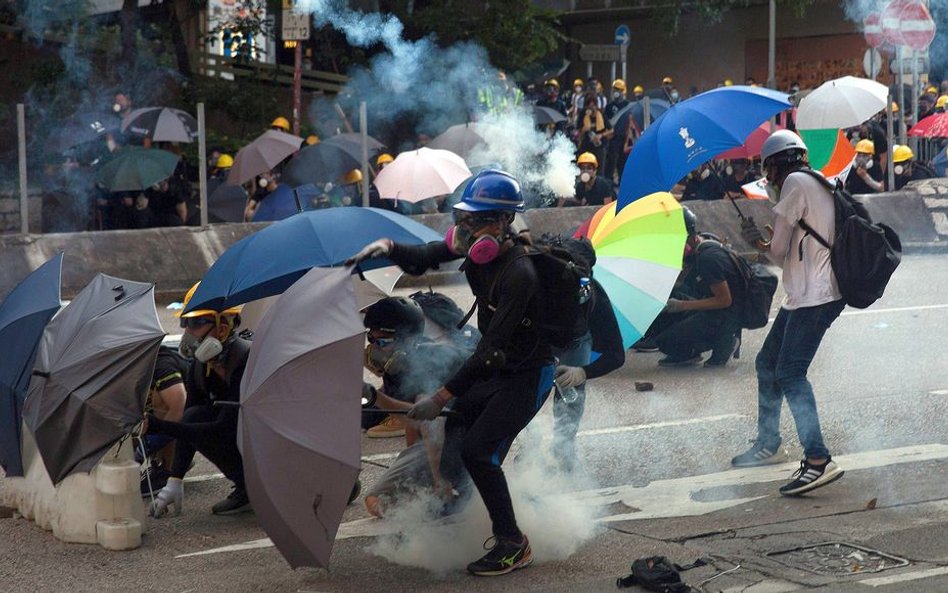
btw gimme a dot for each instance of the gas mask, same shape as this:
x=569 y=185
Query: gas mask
x=864 y=161
x=461 y=239
x=379 y=361
x=202 y=349
x=585 y=176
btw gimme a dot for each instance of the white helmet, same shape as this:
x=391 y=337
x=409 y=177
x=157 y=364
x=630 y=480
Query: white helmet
x=781 y=141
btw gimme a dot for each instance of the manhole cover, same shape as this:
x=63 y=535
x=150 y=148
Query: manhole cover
x=837 y=559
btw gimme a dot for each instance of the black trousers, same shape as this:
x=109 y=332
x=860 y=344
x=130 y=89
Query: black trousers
x=201 y=431
x=698 y=332
x=492 y=413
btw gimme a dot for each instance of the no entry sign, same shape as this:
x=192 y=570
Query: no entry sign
x=872 y=28
x=917 y=26
x=892 y=21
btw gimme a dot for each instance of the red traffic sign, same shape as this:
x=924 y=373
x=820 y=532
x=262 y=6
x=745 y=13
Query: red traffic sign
x=872 y=29
x=892 y=21
x=917 y=26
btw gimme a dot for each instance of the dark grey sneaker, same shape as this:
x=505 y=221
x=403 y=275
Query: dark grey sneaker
x=810 y=477
x=760 y=454
x=236 y=502
x=505 y=556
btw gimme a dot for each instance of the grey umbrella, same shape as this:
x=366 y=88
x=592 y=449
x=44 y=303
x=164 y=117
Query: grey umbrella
x=263 y=154
x=461 y=139
x=91 y=375
x=161 y=124
x=300 y=414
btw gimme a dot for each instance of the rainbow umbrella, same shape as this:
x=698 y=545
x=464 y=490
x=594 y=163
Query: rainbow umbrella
x=638 y=258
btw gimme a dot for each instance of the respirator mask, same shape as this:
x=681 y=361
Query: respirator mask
x=462 y=239
x=201 y=349
x=379 y=357
x=864 y=161
x=585 y=176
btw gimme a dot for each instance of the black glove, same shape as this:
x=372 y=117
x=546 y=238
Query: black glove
x=750 y=232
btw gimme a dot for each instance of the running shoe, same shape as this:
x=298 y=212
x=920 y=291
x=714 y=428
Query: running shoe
x=810 y=477
x=760 y=454
x=506 y=555
x=236 y=502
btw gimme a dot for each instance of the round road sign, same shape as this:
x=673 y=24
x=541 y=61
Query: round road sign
x=917 y=26
x=872 y=29
x=892 y=21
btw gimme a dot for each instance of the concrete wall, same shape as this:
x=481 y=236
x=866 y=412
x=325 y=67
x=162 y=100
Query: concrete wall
x=174 y=258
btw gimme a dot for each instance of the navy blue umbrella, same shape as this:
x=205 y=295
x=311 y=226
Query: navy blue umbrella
x=693 y=132
x=23 y=317
x=269 y=261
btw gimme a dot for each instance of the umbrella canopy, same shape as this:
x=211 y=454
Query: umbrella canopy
x=161 y=124
x=226 y=203
x=82 y=128
x=692 y=132
x=636 y=110
x=23 y=317
x=841 y=103
x=461 y=139
x=638 y=258
x=319 y=164
x=933 y=126
x=284 y=202
x=352 y=144
x=828 y=151
x=263 y=154
x=420 y=174
x=271 y=260
x=92 y=372
x=545 y=115
x=940 y=162
x=300 y=415
x=752 y=145
x=134 y=168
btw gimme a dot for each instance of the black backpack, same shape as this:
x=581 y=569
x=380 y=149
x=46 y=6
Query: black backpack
x=442 y=310
x=564 y=267
x=863 y=255
x=658 y=573
x=760 y=285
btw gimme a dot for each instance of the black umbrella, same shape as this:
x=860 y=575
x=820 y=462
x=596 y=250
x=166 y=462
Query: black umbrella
x=636 y=109
x=93 y=368
x=319 y=164
x=161 y=124
x=23 y=316
x=352 y=144
x=545 y=115
x=226 y=203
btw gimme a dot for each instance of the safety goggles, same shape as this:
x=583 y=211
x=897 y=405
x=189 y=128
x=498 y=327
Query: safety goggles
x=195 y=322
x=474 y=219
x=381 y=342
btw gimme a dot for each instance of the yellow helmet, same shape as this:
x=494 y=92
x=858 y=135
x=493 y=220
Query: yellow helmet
x=225 y=161
x=941 y=101
x=619 y=85
x=931 y=90
x=638 y=89
x=667 y=80
x=353 y=176
x=312 y=139
x=866 y=147
x=587 y=158
x=202 y=312
x=552 y=82
x=578 y=82
x=895 y=107
x=902 y=153
x=728 y=82
x=282 y=123
x=384 y=158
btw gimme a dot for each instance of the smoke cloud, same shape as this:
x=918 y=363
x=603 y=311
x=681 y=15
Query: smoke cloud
x=417 y=87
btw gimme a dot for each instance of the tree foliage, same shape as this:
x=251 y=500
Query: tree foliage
x=668 y=14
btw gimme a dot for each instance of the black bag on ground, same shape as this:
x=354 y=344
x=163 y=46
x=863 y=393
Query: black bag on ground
x=864 y=254
x=442 y=310
x=658 y=573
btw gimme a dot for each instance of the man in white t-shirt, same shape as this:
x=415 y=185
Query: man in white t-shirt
x=812 y=303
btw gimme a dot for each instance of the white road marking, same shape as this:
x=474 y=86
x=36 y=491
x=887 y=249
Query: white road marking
x=203 y=477
x=871 y=311
x=662 y=498
x=939 y=392
x=905 y=576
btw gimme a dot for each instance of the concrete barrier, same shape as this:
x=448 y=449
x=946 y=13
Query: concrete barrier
x=174 y=258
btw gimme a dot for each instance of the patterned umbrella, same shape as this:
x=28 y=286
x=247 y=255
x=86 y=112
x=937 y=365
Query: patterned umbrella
x=933 y=126
x=638 y=258
x=161 y=124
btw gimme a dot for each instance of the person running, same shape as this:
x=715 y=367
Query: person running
x=506 y=380
x=812 y=304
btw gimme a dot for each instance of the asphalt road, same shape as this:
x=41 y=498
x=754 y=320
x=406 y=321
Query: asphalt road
x=655 y=479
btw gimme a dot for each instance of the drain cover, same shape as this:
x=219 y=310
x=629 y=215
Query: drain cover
x=837 y=559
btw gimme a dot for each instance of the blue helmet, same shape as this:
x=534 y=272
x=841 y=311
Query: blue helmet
x=491 y=190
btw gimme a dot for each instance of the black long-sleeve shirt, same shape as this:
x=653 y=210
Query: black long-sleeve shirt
x=516 y=296
x=606 y=337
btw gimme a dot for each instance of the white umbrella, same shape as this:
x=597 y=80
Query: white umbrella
x=841 y=103
x=420 y=174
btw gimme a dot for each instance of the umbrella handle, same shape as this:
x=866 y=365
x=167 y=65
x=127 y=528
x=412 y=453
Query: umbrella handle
x=444 y=413
x=226 y=404
x=724 y=188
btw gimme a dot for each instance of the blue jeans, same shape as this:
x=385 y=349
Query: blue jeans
x=566 y=416
x=782 y=364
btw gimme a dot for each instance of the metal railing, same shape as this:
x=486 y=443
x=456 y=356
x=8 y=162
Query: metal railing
x=216 y=66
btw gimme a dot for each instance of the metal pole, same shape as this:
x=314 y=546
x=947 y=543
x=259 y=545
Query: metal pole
x=772 y=48
x=613 y=73
x=915 y=92
x=890 y=167
x=202 y=165
x=297 y=83
x=625 y=64
x=901 y=78
x=589 y=70
x=363 y=129
x=646 y=112
x=21 y=136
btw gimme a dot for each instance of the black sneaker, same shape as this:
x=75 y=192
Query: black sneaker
x=759 y=454
x=505 y=556
x=810 y=477
x=356 y=490
x=153 y=479
x=668 y=361
x=236 y=502
x=644 y=345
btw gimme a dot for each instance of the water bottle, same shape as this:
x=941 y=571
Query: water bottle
x=585 y=291
x=568 y=394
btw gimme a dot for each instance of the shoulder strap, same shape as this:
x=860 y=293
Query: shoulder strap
x=524 y=251
x=803 y=224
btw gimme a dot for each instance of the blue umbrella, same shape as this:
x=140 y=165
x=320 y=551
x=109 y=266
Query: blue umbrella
x=692 y=132
x=282 y=203
x=23 y=317
x=636 y=109
x=269 y=261
x=940 y=162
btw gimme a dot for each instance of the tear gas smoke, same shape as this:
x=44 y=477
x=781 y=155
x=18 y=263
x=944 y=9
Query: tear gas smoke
x=419 y=85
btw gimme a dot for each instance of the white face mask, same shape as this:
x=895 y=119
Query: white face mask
x=773 y=192
x=263 y=182
x=616 y=95
x=705 y=173
x=729 y=170
x=585 y=177
x=899 y=169
x=674 y=95
x=578 y=89
x=117 y=108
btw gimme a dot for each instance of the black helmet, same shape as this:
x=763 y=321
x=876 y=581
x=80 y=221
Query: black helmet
x=691 y=221
x=398 y=315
